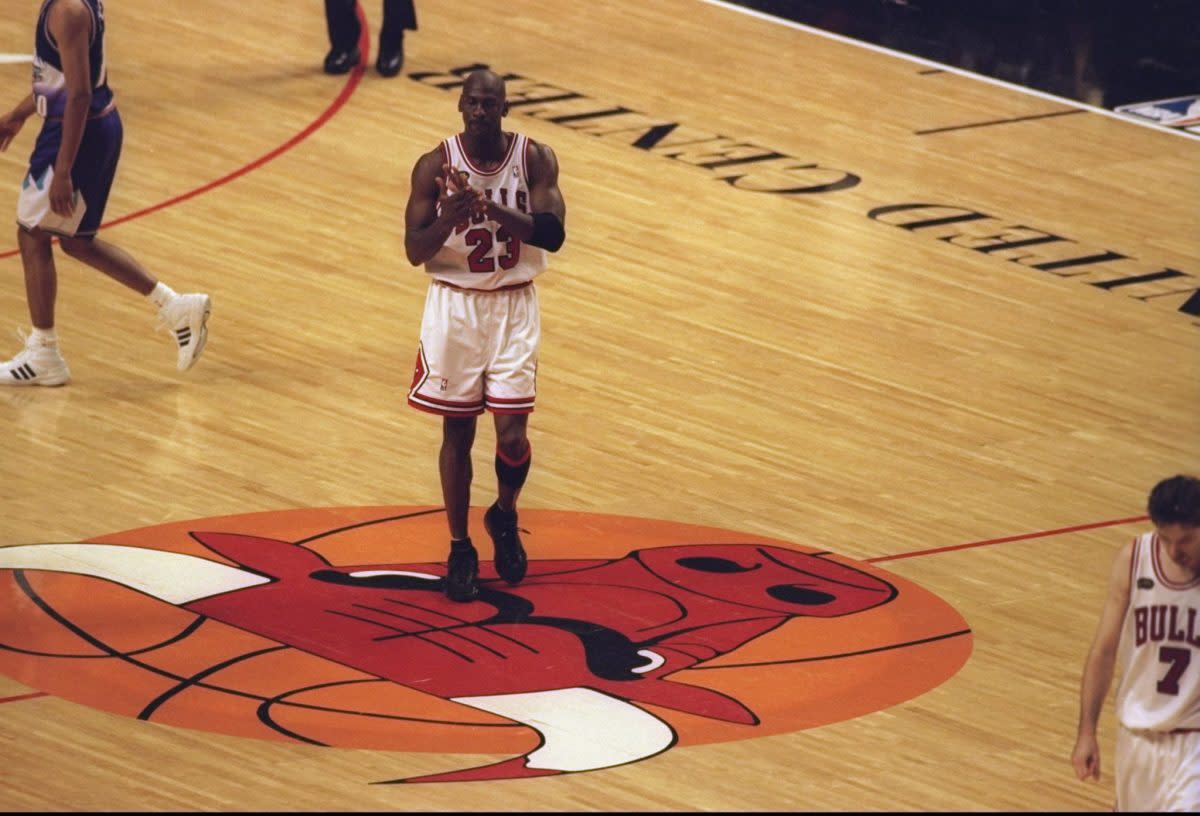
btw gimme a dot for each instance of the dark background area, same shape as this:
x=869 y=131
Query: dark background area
x=1102 y=52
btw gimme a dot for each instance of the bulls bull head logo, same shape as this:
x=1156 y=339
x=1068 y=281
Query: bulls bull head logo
x=570 y=653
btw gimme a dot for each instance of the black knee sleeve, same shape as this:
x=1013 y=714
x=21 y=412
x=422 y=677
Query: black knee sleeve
x=513 y=474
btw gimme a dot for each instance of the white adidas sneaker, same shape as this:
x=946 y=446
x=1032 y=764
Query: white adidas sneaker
x=186 y=316
x=36 y=364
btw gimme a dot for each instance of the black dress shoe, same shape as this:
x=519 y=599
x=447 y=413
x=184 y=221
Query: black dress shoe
x=391 y=59
x=342 y=62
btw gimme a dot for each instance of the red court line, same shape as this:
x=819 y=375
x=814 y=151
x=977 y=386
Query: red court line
x=23 y=697
x=1022 y=537
x=337 y=104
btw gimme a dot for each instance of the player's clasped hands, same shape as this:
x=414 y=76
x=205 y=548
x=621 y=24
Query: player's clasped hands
x=458 y=199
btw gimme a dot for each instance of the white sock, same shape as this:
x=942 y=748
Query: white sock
x=162 y=294
x=43 y=337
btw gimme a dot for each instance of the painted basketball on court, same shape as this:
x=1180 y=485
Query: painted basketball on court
x=328 y=626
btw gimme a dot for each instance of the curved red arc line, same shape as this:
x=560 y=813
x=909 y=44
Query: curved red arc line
x=338 y=103
x=316 y=125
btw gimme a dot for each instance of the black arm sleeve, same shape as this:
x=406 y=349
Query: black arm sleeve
x=548 y=232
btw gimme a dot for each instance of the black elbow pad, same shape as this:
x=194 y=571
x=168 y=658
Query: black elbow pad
x=548 y=232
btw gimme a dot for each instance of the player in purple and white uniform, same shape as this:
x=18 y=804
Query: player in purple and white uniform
x=484 y=209
x=66 y=188
x=1150 y=626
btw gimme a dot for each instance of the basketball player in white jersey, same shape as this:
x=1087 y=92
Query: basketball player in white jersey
x=484 y=210
x=1150 y=625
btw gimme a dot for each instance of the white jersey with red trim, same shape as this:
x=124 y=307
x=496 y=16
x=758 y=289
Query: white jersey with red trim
x=481 y=254
x=1160 y=646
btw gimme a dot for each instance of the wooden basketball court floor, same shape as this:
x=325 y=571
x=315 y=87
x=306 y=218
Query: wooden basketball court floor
x=808 y=293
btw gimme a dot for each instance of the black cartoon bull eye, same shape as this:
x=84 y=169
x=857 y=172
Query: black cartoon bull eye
x=790 y=593
x=711 y=564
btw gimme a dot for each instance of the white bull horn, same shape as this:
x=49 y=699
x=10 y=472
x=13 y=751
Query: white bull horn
x=176 y=578
x=581 y=729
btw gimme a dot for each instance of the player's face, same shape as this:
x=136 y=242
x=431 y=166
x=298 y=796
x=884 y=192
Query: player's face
x=481 y=108
x=1182 y=544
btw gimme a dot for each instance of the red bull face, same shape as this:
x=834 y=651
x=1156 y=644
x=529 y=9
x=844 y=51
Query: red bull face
x=615 y=625
x=620 y=626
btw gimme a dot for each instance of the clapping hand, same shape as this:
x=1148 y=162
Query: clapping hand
x=455 y=186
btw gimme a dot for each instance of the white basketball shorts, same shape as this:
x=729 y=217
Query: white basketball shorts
x=1158 y=772
x=478 y=351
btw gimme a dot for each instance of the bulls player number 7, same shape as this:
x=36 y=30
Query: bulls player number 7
x=1179 y=660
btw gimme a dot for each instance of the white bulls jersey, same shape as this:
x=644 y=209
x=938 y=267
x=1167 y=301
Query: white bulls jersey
x=481 y=254
x=1160 y=646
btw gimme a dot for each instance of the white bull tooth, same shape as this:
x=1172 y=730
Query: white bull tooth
x=176 y=578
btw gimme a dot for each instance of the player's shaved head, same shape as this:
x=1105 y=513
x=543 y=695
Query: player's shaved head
x=485 y=81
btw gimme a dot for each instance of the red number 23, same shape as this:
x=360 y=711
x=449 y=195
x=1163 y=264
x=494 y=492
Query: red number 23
x=481 y=260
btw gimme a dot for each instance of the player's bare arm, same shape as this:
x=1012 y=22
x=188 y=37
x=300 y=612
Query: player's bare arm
x=1098 y=670
x=544 y=224
x=70 y=24
x=435 y=206
x=11 y=122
